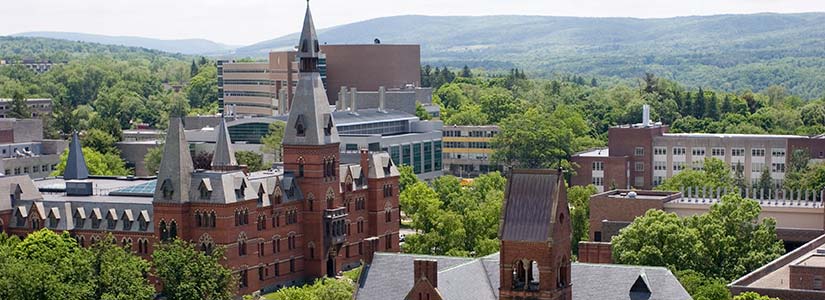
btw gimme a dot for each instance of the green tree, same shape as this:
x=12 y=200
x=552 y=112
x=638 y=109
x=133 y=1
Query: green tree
x=120 y=275
x=19 y=106
x=714 y=174
x=152 y=159
x=657 y=239
x=469 y=114
x=407 y=177
x=273 y=140
x=579 y=199
x=193 y=70
x=701 y=287
x=752 y=296
x=187 y=273
x=253 y=161
x=465 y=72
x=99 y=140
x=203 y=87
x=529 y=140
x=765 y=183
x=321 y=289
x=98 y=163
x=421 y=112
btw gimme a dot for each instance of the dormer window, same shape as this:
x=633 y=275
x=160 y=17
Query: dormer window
x=144 y=220
x=300 y=128
x=167 y=189
x=111 y=219
x=304 y=46
x=205 y=189
x=328 y=127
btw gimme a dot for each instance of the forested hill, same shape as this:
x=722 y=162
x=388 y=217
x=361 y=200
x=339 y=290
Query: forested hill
x=730 y=52
x=59 y=50
x=185 y=46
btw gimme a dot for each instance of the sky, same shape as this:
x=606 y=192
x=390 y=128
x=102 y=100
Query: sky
x=244 y=22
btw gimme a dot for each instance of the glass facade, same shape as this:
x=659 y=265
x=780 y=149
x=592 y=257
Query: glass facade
x=416 y=158
x=382 y=128
x=428 y=157
x=406 y=151
x=395 y=154
x=438 y=155
x=250 y=132
x=352 y=147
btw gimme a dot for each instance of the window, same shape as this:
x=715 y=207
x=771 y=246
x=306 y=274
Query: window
x=659 y=151
x=698 y=151
x=717 y=151
x=757 y=167
x=678 y=150
x=242 y=247
x=291 y=265
x=778 y=152
x=598 y=181
x=388 y=242
x=758 y=152
x=678 y=165
x=597 y=236
x=639 y=181
x=659 y=165
x=737 y=152
x=598 y=166
x=277 y=269
x=817 y=283
x=243 y=281
x=657 y=180
x=639 y=151
x=698 y=165
x=639 y=166
x=778 y=167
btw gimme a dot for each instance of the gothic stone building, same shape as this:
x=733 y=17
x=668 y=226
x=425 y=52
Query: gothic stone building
x=534 y=262
x=315 y=217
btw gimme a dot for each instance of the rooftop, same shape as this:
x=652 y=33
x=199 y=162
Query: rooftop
x=728 y=136
x=599 y=152
x=776 y=274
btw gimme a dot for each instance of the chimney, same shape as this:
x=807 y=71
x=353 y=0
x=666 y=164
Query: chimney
x=426 y=269
x=646 y=115
x=365 y=161
x=282 y=101
x=342 y=99
x=354 y=96
x=382 y=93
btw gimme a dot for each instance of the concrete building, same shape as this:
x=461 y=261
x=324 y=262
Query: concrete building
x=534 y=262
x=370 y=66
x=643 y=155
x=314 y=217
x=39 y=107
x=24 y=151
x=467 y=150
x=796 y=275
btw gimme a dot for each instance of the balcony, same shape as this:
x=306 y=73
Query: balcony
x=335 y=226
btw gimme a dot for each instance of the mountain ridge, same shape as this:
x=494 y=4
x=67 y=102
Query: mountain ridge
x=194 y=46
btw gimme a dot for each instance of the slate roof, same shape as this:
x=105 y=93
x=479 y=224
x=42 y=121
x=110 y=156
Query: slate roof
x=224 y=155
x=390 y=277
x=529 y=206
x=176 y=164
x=75 y=162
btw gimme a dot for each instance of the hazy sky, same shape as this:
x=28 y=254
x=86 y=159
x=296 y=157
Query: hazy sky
x=244 y=22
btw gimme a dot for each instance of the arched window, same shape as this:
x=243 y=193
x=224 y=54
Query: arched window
x=212 y=219
x=310 y=201
x=330 y=199
x=173 y=230
x=300 y=167
x=80 y=239
x=245 y=218
x=562 y=278
x=166 y=189
x=311 y=247
x=198 y=219
x=242 y=244
x=164 y=232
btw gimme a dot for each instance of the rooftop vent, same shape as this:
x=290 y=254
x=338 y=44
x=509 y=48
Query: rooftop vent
x=820 y=251
x=632 y=195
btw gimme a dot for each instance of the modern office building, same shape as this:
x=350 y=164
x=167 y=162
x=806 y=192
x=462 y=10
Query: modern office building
x=255 y=88
x=643 y=155
x=23 y=151
x=314 y=217
x=368 y=67
x=467 y=150
x=38 y=107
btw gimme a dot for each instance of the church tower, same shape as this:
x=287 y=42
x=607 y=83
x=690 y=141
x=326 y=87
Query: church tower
x=311 y=153
x=535 y=237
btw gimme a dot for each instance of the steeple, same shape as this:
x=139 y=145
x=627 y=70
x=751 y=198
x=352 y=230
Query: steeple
x=224 y=156
x=308 y=47
x=175 y=174
x=310 y=118
x=75 y=163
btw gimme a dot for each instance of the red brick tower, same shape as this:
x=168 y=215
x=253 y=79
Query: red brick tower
x=311 y=152
x=535 y=237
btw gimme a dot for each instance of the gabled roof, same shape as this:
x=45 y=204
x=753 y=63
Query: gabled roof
x=224 y=155
x=531 y=200
x=382 y=166
x=75 y=162
x=390 y=276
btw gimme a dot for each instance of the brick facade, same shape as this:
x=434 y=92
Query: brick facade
x=595 y=253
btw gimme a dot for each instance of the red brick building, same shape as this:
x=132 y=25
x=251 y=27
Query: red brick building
x=315 y=217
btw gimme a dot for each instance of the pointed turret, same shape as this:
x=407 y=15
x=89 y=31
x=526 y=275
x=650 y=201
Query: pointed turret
x=310 y=118
x=175 y=174
x=75 y=163
x=224 y=156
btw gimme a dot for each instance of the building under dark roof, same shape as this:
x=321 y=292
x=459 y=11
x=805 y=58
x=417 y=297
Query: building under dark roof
x=534 y=262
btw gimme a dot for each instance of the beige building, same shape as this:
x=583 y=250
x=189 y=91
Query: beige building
x=38 y=107
x=467 y=150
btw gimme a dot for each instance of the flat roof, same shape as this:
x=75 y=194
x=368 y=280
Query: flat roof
x=776 y=274
x=600 y=152
x=99 y=183
x=729 y=135
x=815 y=260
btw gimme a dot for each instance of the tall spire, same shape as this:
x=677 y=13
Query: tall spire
x=310 y=118
x=75 y=163
x=175 y=174
x=224 y=156
x=308 y=47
